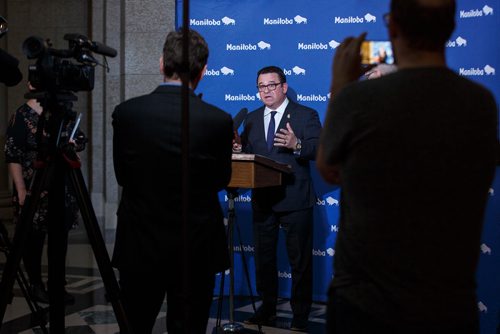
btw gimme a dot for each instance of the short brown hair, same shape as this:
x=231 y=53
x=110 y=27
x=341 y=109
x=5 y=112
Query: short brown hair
x=172 y=54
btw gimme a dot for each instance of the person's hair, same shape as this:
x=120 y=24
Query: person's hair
x=172 y=54
x=427 y=25
x=272 y=69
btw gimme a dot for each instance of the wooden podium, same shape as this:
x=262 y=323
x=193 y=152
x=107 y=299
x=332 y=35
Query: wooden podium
x=255 y=171
x=248 y=171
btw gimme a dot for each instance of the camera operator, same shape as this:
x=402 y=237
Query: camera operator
x=21 y=150
x=9 y=71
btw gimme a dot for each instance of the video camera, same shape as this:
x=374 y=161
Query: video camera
x=54 y=72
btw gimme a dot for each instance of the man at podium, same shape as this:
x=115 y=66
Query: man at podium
x=288 y=133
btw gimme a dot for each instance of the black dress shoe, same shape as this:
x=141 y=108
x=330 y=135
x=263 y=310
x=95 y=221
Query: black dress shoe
x=38 y=293
x=299 y=324
x=261 y=317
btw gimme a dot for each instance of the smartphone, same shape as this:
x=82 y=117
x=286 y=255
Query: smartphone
x=376 y=52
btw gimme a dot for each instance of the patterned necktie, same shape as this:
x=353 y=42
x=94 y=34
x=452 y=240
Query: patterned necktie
x=270 y=131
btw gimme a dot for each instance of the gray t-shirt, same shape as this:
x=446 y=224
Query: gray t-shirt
x=416 y=151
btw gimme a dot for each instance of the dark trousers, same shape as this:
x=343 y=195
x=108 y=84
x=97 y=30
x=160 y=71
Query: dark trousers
x=298 y=228
x=32 y=254
x=143 y=293
x=345 y=318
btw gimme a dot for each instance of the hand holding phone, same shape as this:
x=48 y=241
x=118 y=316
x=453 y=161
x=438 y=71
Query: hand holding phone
x=376 y=52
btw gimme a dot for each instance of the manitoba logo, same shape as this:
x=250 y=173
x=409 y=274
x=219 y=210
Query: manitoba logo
x=237 y=98
x=311 y=98
x=477 y=71
x=248 y=47
x=472 y=13
x=312 y=46
x=285 y=20
x=213 y=22
x=368 y=18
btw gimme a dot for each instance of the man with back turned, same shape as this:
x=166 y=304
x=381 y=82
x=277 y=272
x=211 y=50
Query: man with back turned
x=407 y=149
x=150 y=245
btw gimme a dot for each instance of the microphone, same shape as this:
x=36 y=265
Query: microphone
x=239 y=118
x=96 y=47
x=102 y=49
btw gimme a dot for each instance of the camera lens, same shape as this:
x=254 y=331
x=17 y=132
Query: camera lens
x=33 y=47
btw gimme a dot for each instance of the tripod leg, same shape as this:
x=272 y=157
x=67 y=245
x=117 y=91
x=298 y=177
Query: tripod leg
x=37 y=312
x=99 y=249
x=23 y=225
x=22 y=282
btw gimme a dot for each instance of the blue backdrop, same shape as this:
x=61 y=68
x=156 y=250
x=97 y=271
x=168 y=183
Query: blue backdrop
x=301 y=36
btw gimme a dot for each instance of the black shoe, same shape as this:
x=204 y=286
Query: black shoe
x=299 y=324
x=261 y=317
x=38 y=293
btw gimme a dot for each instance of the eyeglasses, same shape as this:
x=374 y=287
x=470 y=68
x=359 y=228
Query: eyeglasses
x=386 y=17
x=270 y=87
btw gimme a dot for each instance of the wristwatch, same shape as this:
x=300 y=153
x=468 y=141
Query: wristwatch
x=298 y=146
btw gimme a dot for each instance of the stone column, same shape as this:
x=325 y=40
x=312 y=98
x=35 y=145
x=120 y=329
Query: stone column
x=137 y=30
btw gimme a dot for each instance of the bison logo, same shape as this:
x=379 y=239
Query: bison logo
x=332 y=201
x=228 y=21
x=263 y=45
x=461 y=41
x=333 y=44
x=489 y=70
x=485 y=249
x=227 y=71
x=299 y=19
x=487 y=10
x=297 y=70
x=370 y=18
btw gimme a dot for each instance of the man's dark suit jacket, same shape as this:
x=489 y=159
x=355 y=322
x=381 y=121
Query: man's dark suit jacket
x=297 y=192
x=147 y=161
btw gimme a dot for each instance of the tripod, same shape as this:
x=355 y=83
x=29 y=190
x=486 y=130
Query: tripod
x=38 y=313
x=232 y=326
x=58 y=159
